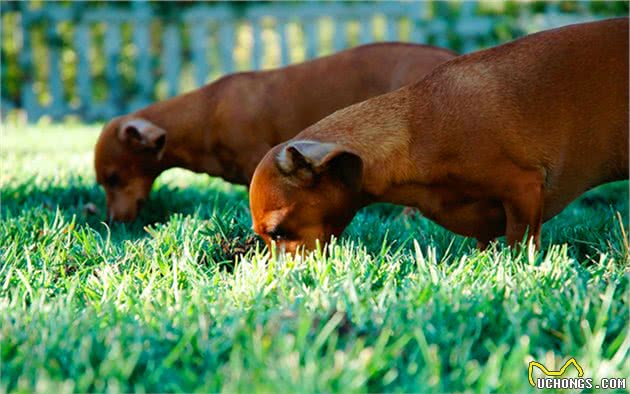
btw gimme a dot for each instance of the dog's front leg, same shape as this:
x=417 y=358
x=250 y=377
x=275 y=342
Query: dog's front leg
x=524 y=210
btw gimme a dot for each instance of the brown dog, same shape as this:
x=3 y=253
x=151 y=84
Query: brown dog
x=225 y=128
x=492 y=143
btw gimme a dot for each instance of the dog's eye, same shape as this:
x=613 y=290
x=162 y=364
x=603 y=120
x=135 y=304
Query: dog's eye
x=112 y=180
x=278 y=234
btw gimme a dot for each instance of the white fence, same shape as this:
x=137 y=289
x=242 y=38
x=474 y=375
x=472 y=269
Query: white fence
x=97 y=62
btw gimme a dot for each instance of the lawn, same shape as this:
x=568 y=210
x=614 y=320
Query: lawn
x=188 y=299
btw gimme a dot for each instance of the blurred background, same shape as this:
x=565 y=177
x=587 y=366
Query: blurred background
x=89 y=61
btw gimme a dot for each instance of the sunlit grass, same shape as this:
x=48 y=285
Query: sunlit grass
x=188 y=299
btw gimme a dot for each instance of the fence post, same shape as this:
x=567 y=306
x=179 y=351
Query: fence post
x=311 y=33
x=171 y=58
x=226 y=44
x=366 y=35
x=285 y=55
x=199 y=43
x=29 y=100
x=112 y=55
x=257 y=44
x=417 y=19
x=84 y=77
x=142 y=43
x=392 y=32
x=339 y=41
x=55 y=83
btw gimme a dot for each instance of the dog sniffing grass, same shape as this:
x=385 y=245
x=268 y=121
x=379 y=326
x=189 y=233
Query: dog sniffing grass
x=187 y=299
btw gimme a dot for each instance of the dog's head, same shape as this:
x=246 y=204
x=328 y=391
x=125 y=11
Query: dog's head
x=303 y=191
x=127 y=161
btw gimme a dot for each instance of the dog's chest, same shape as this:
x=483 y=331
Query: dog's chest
x=461 y=210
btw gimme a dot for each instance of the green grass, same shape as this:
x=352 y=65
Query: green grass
x=188 y=299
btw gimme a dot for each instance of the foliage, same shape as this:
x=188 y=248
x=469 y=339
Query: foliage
x=18 y=68
x=187 y=299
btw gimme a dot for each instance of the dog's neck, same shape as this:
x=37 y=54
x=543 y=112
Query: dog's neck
x=201 y=125
x=380 y=135
x=187 y=120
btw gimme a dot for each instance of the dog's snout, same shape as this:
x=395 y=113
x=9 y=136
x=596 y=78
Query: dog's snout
x=283 y=247
x=117 y=215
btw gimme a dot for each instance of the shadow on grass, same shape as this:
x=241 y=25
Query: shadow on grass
x=85 y=203
x=589 y=223
x=592 y=224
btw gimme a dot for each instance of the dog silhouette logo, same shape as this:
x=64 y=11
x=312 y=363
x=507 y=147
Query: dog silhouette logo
x=560 y=372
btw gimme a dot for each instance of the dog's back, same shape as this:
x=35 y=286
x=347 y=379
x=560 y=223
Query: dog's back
x=556 y=100
x=285 y=101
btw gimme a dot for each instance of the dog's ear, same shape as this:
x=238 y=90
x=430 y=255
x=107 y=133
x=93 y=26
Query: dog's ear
x=306 y=160
x=143 y=135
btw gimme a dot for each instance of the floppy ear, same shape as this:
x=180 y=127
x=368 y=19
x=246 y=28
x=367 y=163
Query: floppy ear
x=306 y=160
x=143 y=135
